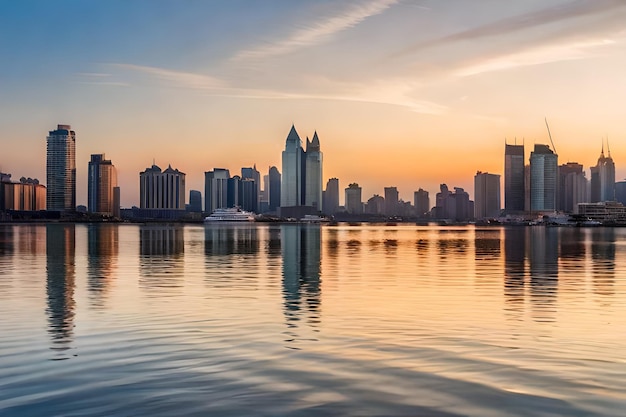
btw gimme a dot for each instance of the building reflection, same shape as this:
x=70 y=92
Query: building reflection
x=603 y=262
x=515 y=242
x=60 y=284
x=162 y=260
x=102 y=252
x=487 y=252
x=544 y=271
x=7 y=248
x=234 y=239
x=301 y=252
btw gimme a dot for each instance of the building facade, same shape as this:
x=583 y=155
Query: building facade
x=421 y=201
x=486 y=195
x=101 y=181
x=391 y=201
x=26 y=195
x=216 y=189
x=275 y=188
x=543 y=179
x=354 y=204
x=603 y=179
x=572 y=187
x=331 y=197
x=61 y=169
x=313 y=176
x=162 y=189
x=514 y=178
x=292 y=180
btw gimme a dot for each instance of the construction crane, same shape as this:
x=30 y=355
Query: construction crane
x=550 y=136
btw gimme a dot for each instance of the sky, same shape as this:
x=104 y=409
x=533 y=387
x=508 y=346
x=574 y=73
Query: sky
x=405 y=93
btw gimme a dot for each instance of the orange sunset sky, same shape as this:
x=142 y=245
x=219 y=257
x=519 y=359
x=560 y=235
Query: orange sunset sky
x=402 y=93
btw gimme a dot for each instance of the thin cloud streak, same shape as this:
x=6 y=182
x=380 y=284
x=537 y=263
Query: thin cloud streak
x=525 y=21
x=537 y=56
x=319 y=32
x=395 y=93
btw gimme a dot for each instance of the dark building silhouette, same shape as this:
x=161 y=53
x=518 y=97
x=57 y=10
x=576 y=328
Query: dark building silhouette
x=603 y=179
x=514 y=178
x=331 y=197
x=391 y=201
x=195 y=201
x=421 y=201
x=275 y=180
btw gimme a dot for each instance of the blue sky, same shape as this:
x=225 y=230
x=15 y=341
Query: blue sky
x=404 y=93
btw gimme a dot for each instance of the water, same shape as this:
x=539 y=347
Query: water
x=277 y=320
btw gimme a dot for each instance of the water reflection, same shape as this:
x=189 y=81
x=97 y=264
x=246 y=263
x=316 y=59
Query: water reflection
x=233 y=239
x=102 y=252
x=603 y=262
x=301 y=251
x=544 y=271
x=162 y=260
x=60 y=270
x=514 y=270
x=6 y=263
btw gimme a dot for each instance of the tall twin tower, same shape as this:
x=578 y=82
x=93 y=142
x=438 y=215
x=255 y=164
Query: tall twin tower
x=301 y=184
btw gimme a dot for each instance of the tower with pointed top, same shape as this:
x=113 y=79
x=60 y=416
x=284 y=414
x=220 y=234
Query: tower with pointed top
x=292 y=180
x=162 y=189
x=603 y=178
x=313 y=187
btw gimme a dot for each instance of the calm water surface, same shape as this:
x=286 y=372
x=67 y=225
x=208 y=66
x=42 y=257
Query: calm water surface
x=296 y=320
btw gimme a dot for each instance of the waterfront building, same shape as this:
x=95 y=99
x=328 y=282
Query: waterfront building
x=608 y=212
x=572 y=188
x=195 y=201
x=331 y=197
x=391 y=201
x=603 y=179
x=543 y=179
x=61 y=169
x=253 y=174
x=101 y=180
x=620 y=191
x=375 y=205
x=26 y=195
x=216 y=189
x=514 y=179
x=421 y=201
x=292 y=184
x=275 y=188
x=486 y=195
x=354 y=204
x=248 y=198
x=313 y=175
x=162 y=189
x=455 y=205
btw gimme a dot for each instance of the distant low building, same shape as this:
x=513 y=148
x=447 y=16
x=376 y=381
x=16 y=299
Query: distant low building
x=26 y=195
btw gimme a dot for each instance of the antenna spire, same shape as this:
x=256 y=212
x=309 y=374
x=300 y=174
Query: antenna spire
x=550 y=135
x=607 y=145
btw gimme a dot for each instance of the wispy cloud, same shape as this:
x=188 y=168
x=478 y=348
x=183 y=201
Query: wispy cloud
x=178 y=78
x=536 y=56
x=385 y=92
x=99 y=78
x=318 y=32
x=530 y=20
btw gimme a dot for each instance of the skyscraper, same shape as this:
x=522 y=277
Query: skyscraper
x=195 y=201
x=572 y=187
x=331 y=196
x=162 y=189
x=216 y=189
x=253 y=174
x=421 y=202
x=514 y=178
x=101 y=180
x=61 y=169
x=275 y=188
x=313 y=176
x=486 y=195
x=603 y=179
x=291 y=192
x=543 y=179
x=391 y=201
x=354 y=204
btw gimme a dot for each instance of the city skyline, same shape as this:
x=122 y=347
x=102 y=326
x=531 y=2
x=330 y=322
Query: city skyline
x=424 y=92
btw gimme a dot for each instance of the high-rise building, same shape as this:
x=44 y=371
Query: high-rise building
x=421 y=201
x=216 y=189
x=162 y=189
x=514 y=178
x=275 y=188
x=620 y=192
x=572 y=187
x=248 y=198
x=301 y=190
x=486 y=195
x=331 y=197
x=391 y=201
x=454 y=206
x=253 y=174
x=195 y=201
x=61 y=169
x=375 y=205
x=603 y=179
x=313 y=176
x=354 y=203
x=293 y=181
x=101 y=180
x=543 y=179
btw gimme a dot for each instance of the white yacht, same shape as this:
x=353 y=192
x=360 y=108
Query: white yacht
x=234 y=214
